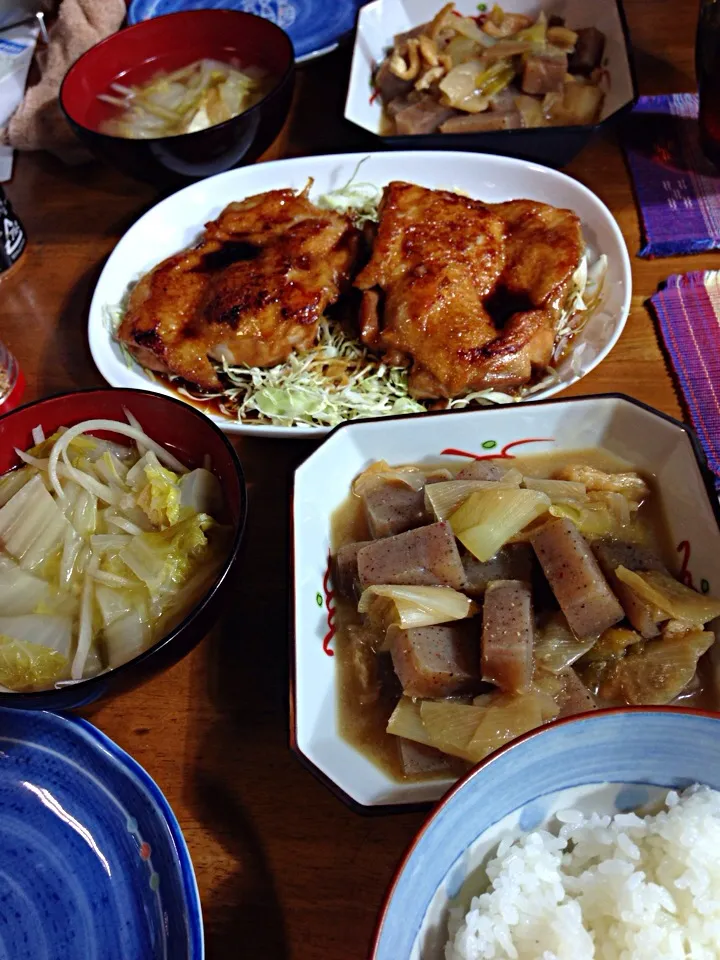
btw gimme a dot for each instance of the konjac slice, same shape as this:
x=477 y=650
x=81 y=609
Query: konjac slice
x=488 y=470
x=392 y=507
x=417 y=759
x=515 y=561
x=508 y=634
x=436 y=661
x=427 y=556
x=573 y=573
x=575 y=697
x=345 y=568
x=611 y=554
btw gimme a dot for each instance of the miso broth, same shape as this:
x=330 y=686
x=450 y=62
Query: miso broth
x=369 y=688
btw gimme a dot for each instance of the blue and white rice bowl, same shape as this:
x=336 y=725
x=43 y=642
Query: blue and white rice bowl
x=609 y=762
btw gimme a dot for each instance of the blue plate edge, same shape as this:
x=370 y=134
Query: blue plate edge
x=329 y=44
x=137 y=772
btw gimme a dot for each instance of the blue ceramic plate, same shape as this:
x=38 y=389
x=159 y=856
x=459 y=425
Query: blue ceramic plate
x=611 y=761
x=314 y=26
x=93 y=864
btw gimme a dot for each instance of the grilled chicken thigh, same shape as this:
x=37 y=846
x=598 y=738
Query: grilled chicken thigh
x=438 y=262
x=544 y=248
x=436 y=256
x=250 y=292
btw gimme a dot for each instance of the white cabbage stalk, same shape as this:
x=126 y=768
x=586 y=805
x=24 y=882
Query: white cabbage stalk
x=490 y=518
x=20 y=591
x=102 y=542
x=114 y=604
x=45 y=630
x=420 y=606
x=11 y=483
x=200 y=491
x=559 y=491
x=445 y=497
x=126 y=637
x=31 y=524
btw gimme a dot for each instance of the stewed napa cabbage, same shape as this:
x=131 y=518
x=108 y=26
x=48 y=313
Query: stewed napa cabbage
x=104 y=547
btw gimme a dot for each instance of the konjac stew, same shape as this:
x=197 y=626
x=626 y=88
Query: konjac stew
x=480 y=600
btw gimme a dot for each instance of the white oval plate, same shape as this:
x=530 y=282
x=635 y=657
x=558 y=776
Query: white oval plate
x=178 y=221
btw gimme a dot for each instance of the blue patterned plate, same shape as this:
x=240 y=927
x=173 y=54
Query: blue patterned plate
x=314 y=26
x=93 y=862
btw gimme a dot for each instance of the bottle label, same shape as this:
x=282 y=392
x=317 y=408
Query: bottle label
x=12 y=235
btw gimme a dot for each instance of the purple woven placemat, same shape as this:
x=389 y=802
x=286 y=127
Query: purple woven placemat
x=678 y=190
x=688 y=312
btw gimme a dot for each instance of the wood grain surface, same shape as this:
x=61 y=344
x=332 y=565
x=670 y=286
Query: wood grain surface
x=284 y=869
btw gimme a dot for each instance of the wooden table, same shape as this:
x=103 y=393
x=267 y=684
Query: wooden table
x=284 y=868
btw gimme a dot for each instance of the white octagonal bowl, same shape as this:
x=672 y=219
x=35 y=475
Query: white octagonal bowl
x=379 y=21
x=651 y=441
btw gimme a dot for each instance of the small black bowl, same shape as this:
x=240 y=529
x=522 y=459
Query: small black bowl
x=164 y=44
x=191 y=436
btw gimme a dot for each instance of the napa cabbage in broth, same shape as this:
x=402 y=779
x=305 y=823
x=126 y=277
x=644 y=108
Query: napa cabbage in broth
x=104 y=547
x=188 y=100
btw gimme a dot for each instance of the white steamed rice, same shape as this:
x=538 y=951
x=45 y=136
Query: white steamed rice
x=604 y=888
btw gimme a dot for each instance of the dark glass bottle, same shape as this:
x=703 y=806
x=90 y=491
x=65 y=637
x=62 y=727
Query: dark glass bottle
x=707 y=69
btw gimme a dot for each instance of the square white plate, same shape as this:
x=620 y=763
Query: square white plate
x=652 y=442
x=381 y=20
